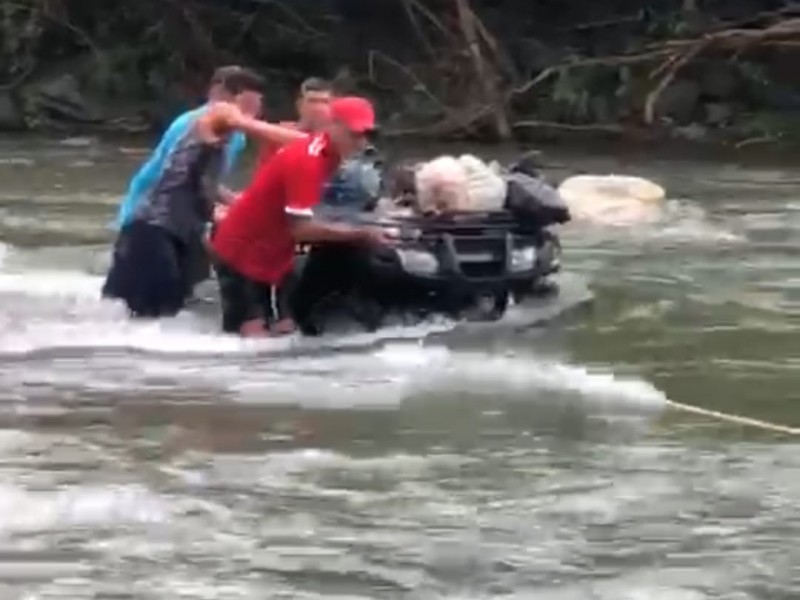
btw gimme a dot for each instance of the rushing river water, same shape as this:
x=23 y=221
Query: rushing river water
x=163 y=461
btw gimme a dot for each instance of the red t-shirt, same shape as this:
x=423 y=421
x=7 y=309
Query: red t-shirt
x=255 y=237
x=267 y=151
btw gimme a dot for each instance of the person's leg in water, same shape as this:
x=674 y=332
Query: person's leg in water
x=330 y=269
x=198 y=267
x=147 y=272
x=317 y=281
x=245 y=303
x=278 y=306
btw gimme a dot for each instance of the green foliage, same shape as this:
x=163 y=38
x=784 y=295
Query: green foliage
x=571 y=93
x=770 y=124
x=157 y=49
x=20 y=31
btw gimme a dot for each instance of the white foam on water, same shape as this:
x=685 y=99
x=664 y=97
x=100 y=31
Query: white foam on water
x=83 y=506
x=186 y=335
x=677 y=221
x=474 y=372
x=63 y=310
x=399 y=371
x=46 y=311
x=49 y=284
x=688 y=222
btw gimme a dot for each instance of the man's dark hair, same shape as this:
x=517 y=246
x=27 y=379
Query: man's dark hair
x=236 y=79
x=315 y=84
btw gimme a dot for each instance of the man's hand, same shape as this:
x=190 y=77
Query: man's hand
x=379 y=236
x=227 y=196
x=220 y=212
x=215 y=123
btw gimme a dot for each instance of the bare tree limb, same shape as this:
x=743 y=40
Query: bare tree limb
x=374 y=55
x=486 y=75
x=666 y=80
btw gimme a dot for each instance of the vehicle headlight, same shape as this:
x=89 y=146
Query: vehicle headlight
x=523 y=259
x=418 y=262
x=556 y=256
x=550 y=257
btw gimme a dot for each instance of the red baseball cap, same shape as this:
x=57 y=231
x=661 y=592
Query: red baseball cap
x=356 y=113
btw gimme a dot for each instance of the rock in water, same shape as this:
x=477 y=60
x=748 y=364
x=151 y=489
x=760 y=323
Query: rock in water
x=679 y=101
x=11 y=115
x=62 y=98
x=613 y=199
x=718 y=114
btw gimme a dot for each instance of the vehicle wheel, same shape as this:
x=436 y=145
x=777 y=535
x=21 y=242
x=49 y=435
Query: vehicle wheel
x=544 y=287
x=310 y=328
x=366 y=312
x=489 y=307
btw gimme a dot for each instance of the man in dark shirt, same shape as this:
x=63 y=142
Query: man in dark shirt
x=154 y=256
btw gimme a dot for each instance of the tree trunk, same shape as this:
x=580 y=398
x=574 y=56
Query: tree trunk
x=484 y=71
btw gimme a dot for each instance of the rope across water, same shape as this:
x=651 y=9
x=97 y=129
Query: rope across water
x=739 y=420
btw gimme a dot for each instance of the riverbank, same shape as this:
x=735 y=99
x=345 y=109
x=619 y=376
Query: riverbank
x=719 y=73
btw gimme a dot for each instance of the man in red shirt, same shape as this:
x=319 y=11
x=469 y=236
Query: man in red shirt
x=255 y=243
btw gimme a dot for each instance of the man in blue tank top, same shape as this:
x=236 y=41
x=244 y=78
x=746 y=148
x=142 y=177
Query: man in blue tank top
x=149 y=173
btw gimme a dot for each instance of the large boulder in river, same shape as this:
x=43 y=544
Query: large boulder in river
x=61 y=98
x=720 y=81
x=679 y=102
x=12 y=117
x=718 y=114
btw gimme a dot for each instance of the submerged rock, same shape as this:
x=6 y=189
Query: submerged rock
x=718 y=114
x=693 y=133
x=12 y=117
x=61 y=98
x=720 y=80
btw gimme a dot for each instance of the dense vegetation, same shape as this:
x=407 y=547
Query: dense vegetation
x=709 y=69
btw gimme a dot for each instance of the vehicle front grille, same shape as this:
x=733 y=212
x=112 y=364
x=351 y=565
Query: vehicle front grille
x=480 y=258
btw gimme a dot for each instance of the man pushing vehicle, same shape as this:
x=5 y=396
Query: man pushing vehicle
x=255 y=243
x=154 y=258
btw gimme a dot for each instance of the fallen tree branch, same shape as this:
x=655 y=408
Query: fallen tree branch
x=293 y=14
x=676 y=54
x=613 y=22
x=792 y=9
x=486 y=75
x=607 y=61
x=666 y=80
x=594 y=128
x=734 y=38
x=56 y=20
x=426 y=12
x=412 y=18
x=739 y=40
x=374 y=55
x=456 y=122
x=500 y=57
x=764 y=139
x=21 y=78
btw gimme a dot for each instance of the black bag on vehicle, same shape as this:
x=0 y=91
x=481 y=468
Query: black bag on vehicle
x=534 y=203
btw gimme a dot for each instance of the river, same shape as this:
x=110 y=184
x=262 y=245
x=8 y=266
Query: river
x=162 y=460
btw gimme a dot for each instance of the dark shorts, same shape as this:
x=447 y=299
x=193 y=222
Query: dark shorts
x=244 y=300
x=330 y=270
x=149 y=271
x=199 y=263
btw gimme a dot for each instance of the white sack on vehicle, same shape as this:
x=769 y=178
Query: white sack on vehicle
x=463 y=184
x=486 y=189
x=441 y=186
